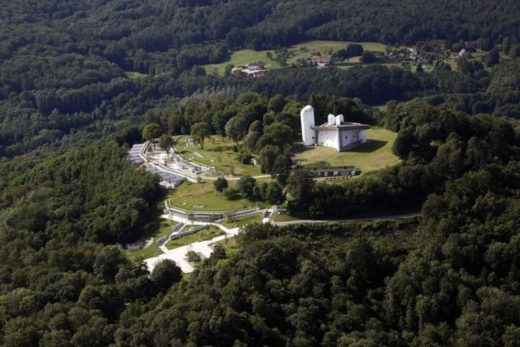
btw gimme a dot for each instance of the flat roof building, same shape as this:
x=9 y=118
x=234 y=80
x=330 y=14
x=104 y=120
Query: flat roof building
x=336 y=133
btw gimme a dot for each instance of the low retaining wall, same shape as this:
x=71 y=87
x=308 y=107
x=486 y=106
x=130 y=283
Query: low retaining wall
x=189 y=232
x=209 y=217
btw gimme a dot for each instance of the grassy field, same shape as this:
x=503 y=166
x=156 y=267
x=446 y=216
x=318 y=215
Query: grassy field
x=374 y=155
x=307 y=49
x=217 y=152
x=203 y=235
x=160 y=229
x=203 y=197
x=243 y=221
x=230 y=246
x=296 y=52
x=243 y=57
x=145 y=253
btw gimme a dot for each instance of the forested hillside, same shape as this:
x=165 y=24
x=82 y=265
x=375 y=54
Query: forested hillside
x=78 y=69
x=445 y=278
x=449 y=280
x=82 y=81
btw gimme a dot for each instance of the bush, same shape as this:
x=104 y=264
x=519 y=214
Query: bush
x=165 y=274
x=368 y=57
x=245 y=157
x=193 y=257
x=274 y=193
x=220 y=184
x=231 y=194
x=246 y=187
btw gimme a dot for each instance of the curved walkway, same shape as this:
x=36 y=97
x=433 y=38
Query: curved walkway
x=232 y=178
x=204 y=248
x=179 y=254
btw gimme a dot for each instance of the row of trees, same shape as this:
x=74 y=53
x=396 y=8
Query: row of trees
x=249 y=188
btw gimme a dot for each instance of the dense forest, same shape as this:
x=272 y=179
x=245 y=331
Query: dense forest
x=65 y=66
x=449 y=277
x=81 y=81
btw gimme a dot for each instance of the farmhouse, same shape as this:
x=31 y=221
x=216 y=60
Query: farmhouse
x=462 y=54
x=336 y=133
x=256 y=69
x=321 y=60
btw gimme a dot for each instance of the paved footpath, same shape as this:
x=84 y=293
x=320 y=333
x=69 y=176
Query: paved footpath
x=179 y=254
x=360 y=219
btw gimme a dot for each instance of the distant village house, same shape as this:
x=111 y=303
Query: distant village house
x=321 y=60
x=462 y=54
x=256 y=69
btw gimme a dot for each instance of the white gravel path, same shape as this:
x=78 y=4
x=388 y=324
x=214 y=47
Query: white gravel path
x=179 y=254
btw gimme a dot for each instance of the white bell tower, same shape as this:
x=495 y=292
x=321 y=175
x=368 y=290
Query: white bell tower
x=307 y=121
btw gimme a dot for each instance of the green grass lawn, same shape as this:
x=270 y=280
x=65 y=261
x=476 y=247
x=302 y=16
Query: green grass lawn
x=165 y=227
x=243 y=57
x=203 y=235
x=306 y=49
x=374 y=155
x=162 y=228
x=145 y=253
x=203 y=197
x=230 y=246
x=217 y=152
x=300 y=51
x=243 y=221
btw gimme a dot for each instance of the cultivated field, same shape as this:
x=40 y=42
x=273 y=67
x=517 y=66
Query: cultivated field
x=374 y=155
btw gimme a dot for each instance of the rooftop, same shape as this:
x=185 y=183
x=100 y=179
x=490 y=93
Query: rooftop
x=343 y=125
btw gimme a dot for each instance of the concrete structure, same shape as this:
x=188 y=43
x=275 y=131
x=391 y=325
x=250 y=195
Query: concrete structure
x=340 y=171
x=307 y=123
x=208 y=216
x=336 y=133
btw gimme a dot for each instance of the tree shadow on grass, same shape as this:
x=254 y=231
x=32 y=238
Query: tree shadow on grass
x=368 y=147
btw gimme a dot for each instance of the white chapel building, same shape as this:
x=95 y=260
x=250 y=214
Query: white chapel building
x=336 y=133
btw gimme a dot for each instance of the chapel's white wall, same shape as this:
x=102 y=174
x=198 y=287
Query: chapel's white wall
x=363 y=136
x=328 y=139
x=349 y=137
